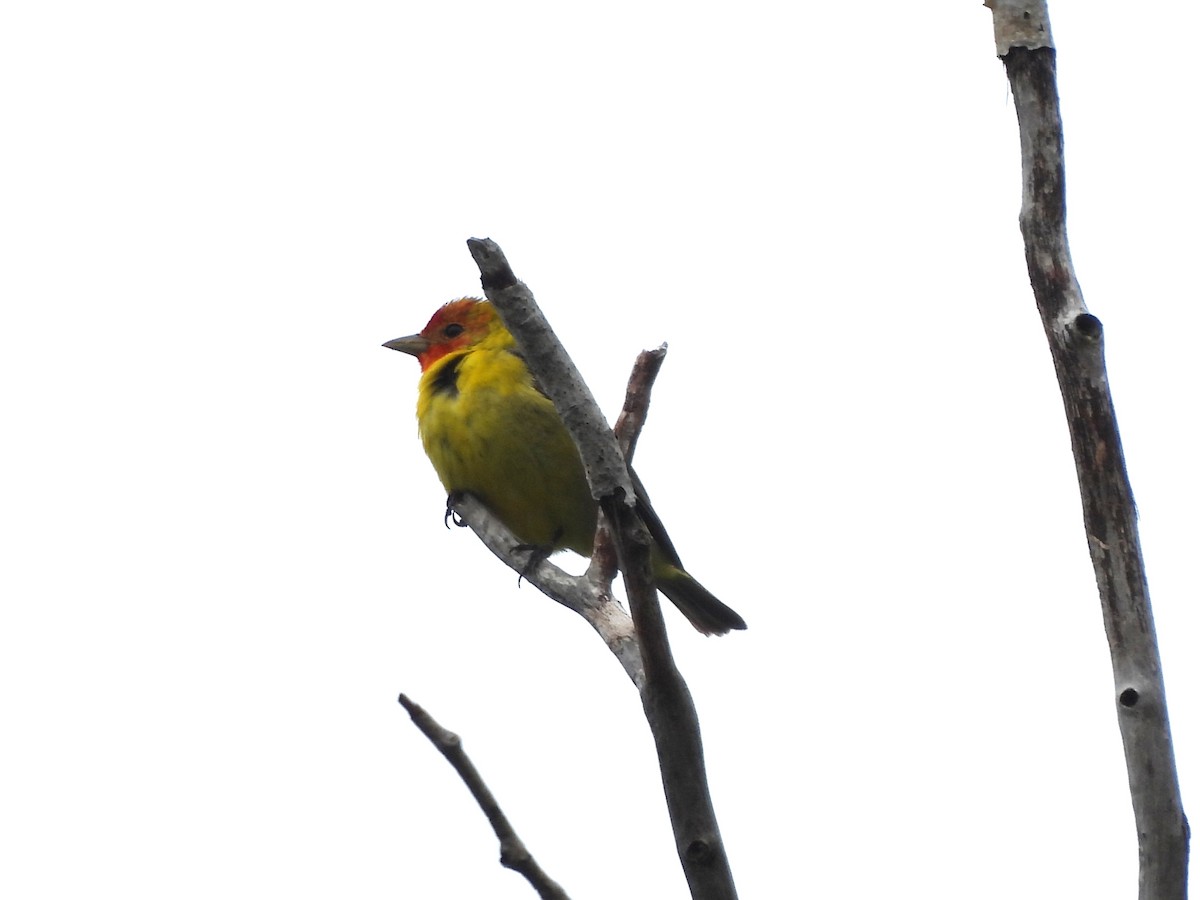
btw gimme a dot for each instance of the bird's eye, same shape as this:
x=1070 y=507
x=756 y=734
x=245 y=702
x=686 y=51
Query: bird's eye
x=453 y=330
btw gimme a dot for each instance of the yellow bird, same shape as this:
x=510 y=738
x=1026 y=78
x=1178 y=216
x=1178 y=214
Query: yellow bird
x=490 y=431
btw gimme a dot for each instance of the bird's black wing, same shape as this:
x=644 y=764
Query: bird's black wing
x=653 y=523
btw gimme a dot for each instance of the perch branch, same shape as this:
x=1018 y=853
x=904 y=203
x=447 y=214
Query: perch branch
x=1075 y=336
x=665 y=698
x=513 y=853
x=588 y=596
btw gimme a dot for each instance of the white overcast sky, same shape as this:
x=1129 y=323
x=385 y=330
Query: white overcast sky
x=223 y=547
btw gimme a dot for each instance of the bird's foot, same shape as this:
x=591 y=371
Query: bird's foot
x=538 y=554
x=451 y=514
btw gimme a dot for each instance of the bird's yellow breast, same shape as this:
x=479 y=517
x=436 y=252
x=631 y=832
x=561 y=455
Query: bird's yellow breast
x=488 y=430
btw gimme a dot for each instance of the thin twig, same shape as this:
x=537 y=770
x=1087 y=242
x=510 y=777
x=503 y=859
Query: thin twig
x=1023 y=41
x=588 y=596
x=630 y=421
x=513 y=852
x=637 y=399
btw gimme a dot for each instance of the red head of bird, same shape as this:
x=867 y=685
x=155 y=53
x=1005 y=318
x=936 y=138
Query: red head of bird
x=458 y=324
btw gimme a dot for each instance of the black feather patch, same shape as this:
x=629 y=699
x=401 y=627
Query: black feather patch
x=446 y=380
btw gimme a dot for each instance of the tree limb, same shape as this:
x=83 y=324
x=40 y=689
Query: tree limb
x=588 y=595
x=665 y=698
x=669 y=709
x=513 y=853
x=1024 y=42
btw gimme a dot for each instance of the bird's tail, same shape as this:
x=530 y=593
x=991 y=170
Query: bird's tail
x=708 y=614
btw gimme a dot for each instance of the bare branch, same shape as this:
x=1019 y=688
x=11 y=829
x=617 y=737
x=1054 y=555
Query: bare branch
x=513 y=853
x=665 y=698
x=1110 y=518
x=630 y=422
x=588 y=596
x=674 y=723
x=637 y=400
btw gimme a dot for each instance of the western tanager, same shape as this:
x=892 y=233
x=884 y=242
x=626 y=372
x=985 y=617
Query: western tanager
x=489 y=431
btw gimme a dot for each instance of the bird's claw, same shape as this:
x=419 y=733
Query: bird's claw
x=538 y=554
x=451 y=513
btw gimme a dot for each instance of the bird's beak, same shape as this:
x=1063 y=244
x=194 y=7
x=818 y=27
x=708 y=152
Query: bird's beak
x=413 y=345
